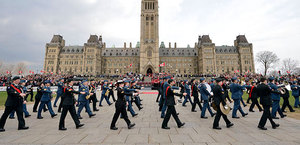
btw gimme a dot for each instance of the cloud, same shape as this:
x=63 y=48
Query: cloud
x=26 y=26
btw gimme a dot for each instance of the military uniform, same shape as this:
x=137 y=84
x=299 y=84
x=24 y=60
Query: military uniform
x=128 y=91
x=46 y=100
x=111 y=92
x=13 y=102
x=286 y=102
x=195 y=94
x=296 y=92
x=37 y=99
x=264 y=92
x=219 y=98
x=275 y=95
x=188 y=96
x=83 y=102
x=205 y=95
x=170 y=103
x=93 y=97
x=236 y=96
x=121 y=109
x=137 y=99
x=68 y=105
x=59 y=91
x=253 y=96
x=26 y=113
x=103 y=96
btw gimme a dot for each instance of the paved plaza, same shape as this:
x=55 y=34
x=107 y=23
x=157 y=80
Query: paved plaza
x=148 y=129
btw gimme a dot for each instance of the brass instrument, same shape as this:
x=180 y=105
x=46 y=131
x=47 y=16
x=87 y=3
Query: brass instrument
x=88 y=96
x=225 y=109
x=281 y=89
x=107 y=92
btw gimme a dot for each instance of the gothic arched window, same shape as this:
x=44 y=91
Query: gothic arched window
x=149 y=53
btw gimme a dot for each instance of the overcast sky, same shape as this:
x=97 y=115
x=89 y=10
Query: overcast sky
x=27 y=25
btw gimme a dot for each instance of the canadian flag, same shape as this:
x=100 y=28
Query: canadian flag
x=288 y=72
x=130 y=65
x=20 y=72
x=7 y=72
x=30 y=71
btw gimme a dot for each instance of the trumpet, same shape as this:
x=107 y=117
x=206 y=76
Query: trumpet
x=281 y=89
x=107 y=92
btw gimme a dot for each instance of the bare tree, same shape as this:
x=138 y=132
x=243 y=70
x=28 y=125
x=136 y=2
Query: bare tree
x=267 y=59
x=21 y=67
x=289 y=65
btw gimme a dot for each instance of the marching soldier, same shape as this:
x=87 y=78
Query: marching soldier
x=127 y=90
x=205 y=95
x=286 y=102
x=23 y=90
x=14 y=102
x=46 y=100
x=226 y=88
x=68 y=105
x=38 y=96
x=164 y=106
x=59 y=92
x=93 y=97
x=236 y=89
x=253 y=96
x=29 y=90
x=195 y=94
x=137 y=97
x=111 y=91
x=264 y=92
x=159 y=90
x=275 y=94
x=162 y=99
x=188 y=91
x=120 y=105
x=296 y=93
x=170 y=103
x=219 y=98
x=83 y=100
x=104 y=95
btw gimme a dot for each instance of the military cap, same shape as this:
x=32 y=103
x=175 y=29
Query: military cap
x=69 y=80
x=170 y=80
x=271 y=78
x=218 y=80
x=23 y=81
x=47 y=82
x=202 y=79
x=234 y=78
x=15 y=78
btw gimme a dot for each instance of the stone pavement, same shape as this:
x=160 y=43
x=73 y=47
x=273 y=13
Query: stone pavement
x=147 y=130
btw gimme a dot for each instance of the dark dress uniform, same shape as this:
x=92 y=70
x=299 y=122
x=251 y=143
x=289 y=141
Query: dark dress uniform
x=219 y=98
x=14 y=102
x=93 y=97
x=137 y=99
x=286 y=102
x=111 y=92
x=120 y=109
x=68 y=105
x=170 y=103
x=253 y=96
x=264 y=92
x=37 y=99
x=195 y=94
x=226 y=88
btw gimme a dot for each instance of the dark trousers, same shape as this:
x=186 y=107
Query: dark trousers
x=111 y=93
x=137 y=102
x=37 y=101
x=255 y=102
x=8 y=110
x=218 y=117
x=248 y=100
x=31 y=95
x=285 y=104
x=196 y=102
x=71 y=109
x=120 y=110
x=171 y=111
x=266 y=115
x=93 y=99
x=159 y=94
x=60 y=104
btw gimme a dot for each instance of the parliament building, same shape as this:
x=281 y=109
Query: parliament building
x=94 y=58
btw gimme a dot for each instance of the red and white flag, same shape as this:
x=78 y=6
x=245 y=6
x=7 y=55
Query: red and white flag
x=163 y=64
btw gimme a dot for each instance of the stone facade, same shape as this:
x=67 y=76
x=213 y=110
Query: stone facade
x=94 y=58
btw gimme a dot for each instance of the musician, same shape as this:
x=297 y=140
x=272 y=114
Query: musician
x=296 y=92
x=181 y=85
x=164 y=106
x=236 y=95
x=286 y=102
x=65 y=85
x=205 y=96
x=170 y=102
x=127 y=91
x=226 y=88
x=264 y=92
x=68 y=105
x=59 y=91
x=29 y=90
x=195 y=94
x=23 y=90
x=38 y=96
x=104 y=88
x=219 y=98
x=83 y=101
x=253 y=96
x=93 y=97
x=136 y=97
x=14 y=102
x=188 y=91
x=162 y=98
x=159 y=89
x=275 y=94
x=46 y=100
x=111 y=91
x=120 y=105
